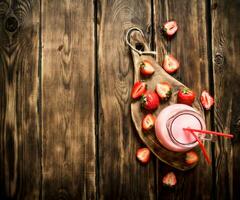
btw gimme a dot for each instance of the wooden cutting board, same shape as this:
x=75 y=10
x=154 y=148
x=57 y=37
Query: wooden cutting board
x=174 y=159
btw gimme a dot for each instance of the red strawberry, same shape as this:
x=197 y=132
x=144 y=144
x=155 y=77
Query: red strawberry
x=170 y=64
x=206 y=100
x=150 y=100
x=143 y=155
x=191 y=157
x=186 y=96
x=163 y=90
x=146 y=68
x=148 y=122
x=169 y=179
x=170 y=28
x=138 y=89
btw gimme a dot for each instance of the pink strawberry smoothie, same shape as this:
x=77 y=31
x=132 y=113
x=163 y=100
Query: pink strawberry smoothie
x=170 y=123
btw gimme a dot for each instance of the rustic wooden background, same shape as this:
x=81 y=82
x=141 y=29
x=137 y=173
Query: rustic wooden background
x=65 y=81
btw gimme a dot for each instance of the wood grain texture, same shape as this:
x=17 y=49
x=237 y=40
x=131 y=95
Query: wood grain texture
x=225 y=52
x=174 y=159
x=68 y=100
x=20 y=165
x=121 y=176
x=189 y=46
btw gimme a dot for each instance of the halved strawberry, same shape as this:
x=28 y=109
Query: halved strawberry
x=164 y=90
x=150 y=100
x=138 y=89
x=148 y=122
x=170 y=64
x=169 y=179
x=143 y=155
x=170 y=28
x=191 y=157
x=146 y=68
x=206 y=100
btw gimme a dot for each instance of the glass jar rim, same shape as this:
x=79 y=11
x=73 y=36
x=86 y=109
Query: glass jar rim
x=174 y=117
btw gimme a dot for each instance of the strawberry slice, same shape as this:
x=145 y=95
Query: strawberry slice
x=170 y=28
x=143 y=155
x=170 y=64
x=206 y=100
x=191 y=157
x=138 y=89
x=148 y=122
x=150 y=100
x=169 y=179
x=164 y=90
x=146 y=68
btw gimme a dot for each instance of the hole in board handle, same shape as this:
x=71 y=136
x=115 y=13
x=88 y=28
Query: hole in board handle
x=139 y=47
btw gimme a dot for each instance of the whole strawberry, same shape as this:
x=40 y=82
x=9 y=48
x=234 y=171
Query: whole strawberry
x=150 y=100
x=186 y=96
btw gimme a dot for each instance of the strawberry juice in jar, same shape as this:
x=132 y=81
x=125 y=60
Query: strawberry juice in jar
x=170 y=123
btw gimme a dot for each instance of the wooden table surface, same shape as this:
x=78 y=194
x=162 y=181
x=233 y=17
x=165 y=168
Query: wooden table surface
x=65 y=81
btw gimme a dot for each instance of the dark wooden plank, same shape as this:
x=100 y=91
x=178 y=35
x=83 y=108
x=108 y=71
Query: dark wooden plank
x=226 y=51
x=120 y=176
x=20 y=164
x=68 y=100
x=190 y=48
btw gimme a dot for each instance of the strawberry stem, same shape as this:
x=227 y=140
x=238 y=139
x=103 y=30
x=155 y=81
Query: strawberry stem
x=185 y=90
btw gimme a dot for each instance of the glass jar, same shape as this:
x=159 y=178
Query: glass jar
x=170 y=123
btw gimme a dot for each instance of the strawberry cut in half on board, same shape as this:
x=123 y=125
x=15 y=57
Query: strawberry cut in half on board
x=170 y=28
x=148 y=122
x=164 y=90
x=169 y=179
x=170 y=64
x=150 y=100
x=146 y=68
x=143 y=155
x=206 y=100
x=138 y=89
x=191 y=157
